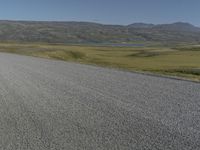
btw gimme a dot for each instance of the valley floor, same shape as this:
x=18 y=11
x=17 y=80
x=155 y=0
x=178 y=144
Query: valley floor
x=182 y=61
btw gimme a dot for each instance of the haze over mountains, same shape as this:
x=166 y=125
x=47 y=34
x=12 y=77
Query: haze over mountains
x=86 y=32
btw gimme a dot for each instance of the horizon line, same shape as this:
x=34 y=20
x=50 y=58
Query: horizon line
x=95 y=22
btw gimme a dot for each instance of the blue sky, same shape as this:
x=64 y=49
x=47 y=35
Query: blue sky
x=103 y=11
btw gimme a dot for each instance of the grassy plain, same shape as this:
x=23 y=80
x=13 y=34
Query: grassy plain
x=183 y=61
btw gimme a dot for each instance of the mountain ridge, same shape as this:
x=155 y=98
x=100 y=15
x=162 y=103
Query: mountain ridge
x=90 y=32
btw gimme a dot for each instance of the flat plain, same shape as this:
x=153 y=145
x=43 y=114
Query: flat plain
x=178 y=60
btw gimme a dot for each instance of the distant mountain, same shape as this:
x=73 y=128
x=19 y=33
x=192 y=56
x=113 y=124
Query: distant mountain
x=168 y=33
x=86 y=32
x=178 y=26
x=141 y=25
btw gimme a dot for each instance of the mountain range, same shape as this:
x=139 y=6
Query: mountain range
x=87 y=32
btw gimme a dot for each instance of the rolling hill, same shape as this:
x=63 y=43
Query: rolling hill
x=86 y=32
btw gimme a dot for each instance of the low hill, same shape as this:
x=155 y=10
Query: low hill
x=86 y=32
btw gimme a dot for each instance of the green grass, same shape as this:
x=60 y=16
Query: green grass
x=179 y=61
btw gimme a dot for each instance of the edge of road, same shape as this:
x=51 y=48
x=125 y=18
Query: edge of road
x=117 y=69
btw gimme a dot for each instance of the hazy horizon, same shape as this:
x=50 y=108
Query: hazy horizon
x=121 y=12
x=96 y=22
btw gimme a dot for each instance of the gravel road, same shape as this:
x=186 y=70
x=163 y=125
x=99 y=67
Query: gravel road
x=55 y=105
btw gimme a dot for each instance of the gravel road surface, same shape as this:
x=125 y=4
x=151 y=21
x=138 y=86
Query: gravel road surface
x=55 y=105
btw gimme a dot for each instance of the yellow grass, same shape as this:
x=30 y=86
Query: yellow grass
x=179 y=62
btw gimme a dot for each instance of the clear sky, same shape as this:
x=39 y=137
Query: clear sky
x=103 y=11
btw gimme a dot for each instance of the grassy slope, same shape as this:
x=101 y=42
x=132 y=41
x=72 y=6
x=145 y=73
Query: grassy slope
x=184 y=62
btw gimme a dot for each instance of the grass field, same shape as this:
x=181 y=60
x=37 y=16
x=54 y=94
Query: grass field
x=183 y=61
